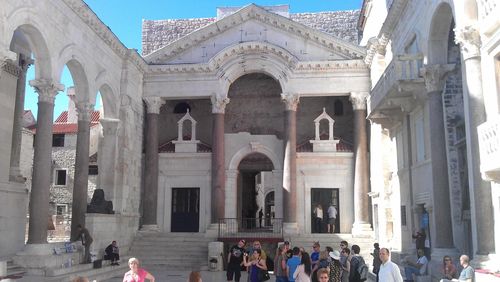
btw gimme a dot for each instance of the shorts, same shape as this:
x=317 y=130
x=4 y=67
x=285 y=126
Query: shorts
x=331 y=220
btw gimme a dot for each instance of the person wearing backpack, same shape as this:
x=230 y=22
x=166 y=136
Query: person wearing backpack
x=359 y=269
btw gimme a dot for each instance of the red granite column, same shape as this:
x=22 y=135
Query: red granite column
x=80 y=187
x=218 y=158
x=42 y=160
x=361 y=172
x=290 y=162
x=150 y=196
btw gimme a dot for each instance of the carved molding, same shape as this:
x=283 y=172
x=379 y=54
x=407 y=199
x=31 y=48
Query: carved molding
x=11 y=68
x=219 y=103
x=470 y=41
x=435 y=76
x=84 y=110
x=291 y=101
x=90 y=18
x=46 y=89
x=153 y=104
x=358 y=100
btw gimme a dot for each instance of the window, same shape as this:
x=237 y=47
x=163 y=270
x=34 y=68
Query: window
x=338 y=108
x=181 y=108
x=60 y=177
x=403 y=215
x=61 y=209
x=58 y=140
x=419 y=139
x=93 y=170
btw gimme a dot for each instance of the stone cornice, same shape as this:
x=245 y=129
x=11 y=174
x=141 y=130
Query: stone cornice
x=90 y=18
x=470 y=41
x=153 y=104
x=219 y=104
x=249 y=12
x=291 y=101
x=297 y=67
x=394 y=14
x=46 y=89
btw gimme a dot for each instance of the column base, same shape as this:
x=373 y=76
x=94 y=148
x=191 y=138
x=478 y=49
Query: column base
x=150 y=228
x=16 y=176
x=290 y=228
x=213 y=230
x=37 y=258
x=362 y=230
x=487 y=262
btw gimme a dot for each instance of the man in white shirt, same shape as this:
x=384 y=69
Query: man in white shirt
x=389 y=271
x=417 y=268
x=332 y=216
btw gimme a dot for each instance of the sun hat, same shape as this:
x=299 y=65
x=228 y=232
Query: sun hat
x=335 y=255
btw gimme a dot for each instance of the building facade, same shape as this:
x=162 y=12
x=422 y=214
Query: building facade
x=433 y=102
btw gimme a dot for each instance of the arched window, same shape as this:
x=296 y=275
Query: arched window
x=338 y=108
x=181 y=108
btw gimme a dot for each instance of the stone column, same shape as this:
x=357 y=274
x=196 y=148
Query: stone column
x=435 y=79
x=81 y=179
x=42 y=160
x=218 y=157
x=291 y=101
x=150 y=196
x=107 y=160
x=480 y=190
x=361 y=172
x=15 y=153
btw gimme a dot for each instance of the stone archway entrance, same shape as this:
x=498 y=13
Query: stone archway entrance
x=253 y=183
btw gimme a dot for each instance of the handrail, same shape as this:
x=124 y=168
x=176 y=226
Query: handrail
x=250 y=228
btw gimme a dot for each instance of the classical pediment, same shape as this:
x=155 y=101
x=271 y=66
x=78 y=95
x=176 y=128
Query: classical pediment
x=254 y=24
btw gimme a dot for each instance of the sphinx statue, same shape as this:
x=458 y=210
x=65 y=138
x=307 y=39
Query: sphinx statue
x=98 y=203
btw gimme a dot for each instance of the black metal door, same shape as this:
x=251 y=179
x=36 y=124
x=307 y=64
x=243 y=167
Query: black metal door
x=185 y=210
x=323 y=197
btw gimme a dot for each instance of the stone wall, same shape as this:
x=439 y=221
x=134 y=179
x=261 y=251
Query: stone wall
x=159 y=33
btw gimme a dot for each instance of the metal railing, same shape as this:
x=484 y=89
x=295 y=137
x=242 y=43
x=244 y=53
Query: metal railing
x=251 y=228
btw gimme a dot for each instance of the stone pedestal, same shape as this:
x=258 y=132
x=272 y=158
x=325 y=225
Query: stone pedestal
x=215 y=256
x=290 y=228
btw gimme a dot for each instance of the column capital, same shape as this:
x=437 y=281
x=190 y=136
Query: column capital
x=358 y=100
x=109 y=126
x=25 y=62
x=153 y=104
x=84 y=110
x=291 y=101
x=219 y=103
x=46 y=89
x=435 y=76
x=470 y=41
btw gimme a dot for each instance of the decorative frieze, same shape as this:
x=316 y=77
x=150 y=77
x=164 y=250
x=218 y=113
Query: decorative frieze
x=109 y=126
x=219 y=103
x=435 y=76
x=291 y=101
x=46 y=89
x=153 y=104
x=470 y=41
x=358 y=100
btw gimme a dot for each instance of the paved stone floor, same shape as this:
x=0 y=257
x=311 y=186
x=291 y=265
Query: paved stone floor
x=181 y=276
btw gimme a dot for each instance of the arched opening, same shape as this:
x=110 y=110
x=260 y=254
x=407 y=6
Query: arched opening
x=254 y=182
x=255 y=106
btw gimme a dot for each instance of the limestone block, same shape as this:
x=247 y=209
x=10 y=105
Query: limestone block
x=215 y=256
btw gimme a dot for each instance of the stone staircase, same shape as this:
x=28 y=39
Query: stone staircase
x=172 y=251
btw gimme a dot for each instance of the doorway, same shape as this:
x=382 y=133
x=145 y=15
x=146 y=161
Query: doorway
x=185 y=210
x=324 y=197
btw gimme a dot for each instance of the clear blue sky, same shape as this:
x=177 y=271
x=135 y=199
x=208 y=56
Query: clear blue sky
x=124 y=18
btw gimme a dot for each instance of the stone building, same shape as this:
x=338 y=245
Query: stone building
x=433 y=107
x=262 y=109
